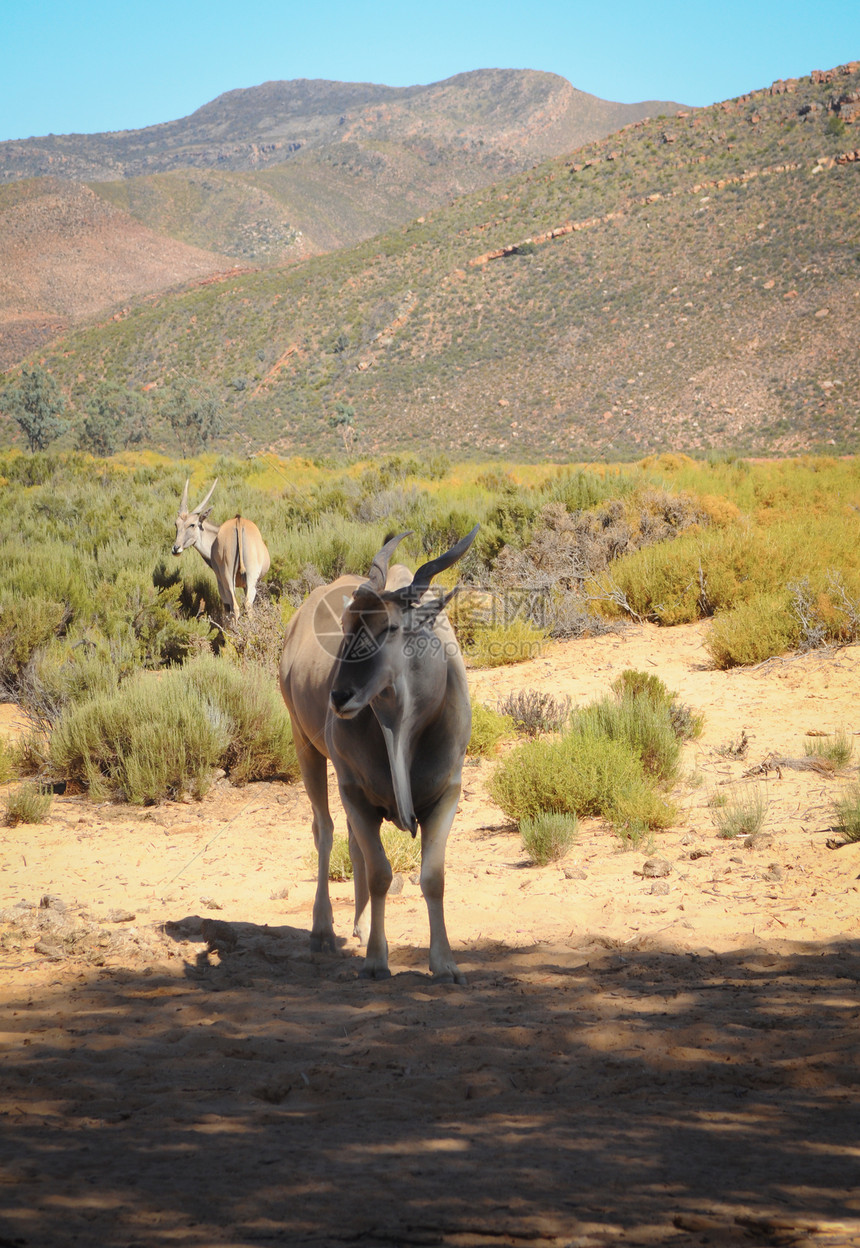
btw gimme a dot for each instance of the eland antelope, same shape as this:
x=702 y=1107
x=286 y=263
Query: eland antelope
x=235 y=552
x=374 y=680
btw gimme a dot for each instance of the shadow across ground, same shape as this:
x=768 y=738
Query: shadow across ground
x=568 y=1096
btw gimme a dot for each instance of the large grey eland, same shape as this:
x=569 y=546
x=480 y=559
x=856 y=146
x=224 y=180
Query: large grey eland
x=374 y=680
x=235 y=552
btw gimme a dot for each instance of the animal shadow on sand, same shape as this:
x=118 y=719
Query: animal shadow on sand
x=568 y=1094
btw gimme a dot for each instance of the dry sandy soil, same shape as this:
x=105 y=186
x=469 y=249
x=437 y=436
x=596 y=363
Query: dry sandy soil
x=635 y=1059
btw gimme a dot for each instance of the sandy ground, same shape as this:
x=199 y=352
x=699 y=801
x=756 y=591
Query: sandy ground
x=636 y=1059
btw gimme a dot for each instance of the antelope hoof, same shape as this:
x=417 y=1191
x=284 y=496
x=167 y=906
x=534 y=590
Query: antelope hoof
x=450 y=975
x=322 y=942
x=374 y=972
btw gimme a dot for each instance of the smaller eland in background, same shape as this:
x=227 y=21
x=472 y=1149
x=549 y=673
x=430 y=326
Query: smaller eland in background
x=235 y=551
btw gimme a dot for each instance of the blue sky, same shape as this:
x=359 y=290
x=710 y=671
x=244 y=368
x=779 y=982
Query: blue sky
x=95 y=66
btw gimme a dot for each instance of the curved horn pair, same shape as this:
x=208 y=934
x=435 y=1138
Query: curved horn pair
x=378 y=573
x=183 y=506
x=422 y=578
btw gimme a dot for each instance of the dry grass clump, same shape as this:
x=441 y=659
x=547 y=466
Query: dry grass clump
x=847 y=811
x=402 y=850
x=837 y=749
x=549 y=836
x=29 y=803
x=7 y=761
x=534 y=711
x=743 y=813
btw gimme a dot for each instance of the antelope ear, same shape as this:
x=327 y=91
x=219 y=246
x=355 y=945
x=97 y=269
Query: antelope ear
x=424 y=615
x=201 y=515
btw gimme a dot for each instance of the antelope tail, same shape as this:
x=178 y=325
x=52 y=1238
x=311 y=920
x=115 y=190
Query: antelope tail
x=240 y=546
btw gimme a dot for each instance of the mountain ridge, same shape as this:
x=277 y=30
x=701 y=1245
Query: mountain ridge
x=260 y=176
x=688 y=283
x=255 y=127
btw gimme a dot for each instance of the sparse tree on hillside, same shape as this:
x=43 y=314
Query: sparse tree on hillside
x=114 y=418
x=194 y=413
x=344 y=421
x=37 y=406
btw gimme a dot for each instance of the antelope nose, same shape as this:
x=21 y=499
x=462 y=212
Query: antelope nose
x=339 y=698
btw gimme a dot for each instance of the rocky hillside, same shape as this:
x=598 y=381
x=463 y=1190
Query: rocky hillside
x=507 y=110
x=691 y=282
x=67 y=254
x=262 y=176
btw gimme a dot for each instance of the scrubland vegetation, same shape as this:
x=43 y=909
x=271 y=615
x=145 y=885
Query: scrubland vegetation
x=135 y=689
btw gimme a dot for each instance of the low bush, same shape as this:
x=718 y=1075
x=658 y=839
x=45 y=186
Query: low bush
x=499 y=644
x=579 y=774
x=549 y=836
x=489 y=729
x=258 y=639
x=70 y=670
x=641 y=724
x=25 y=625
x=30 y=803
x=686 y=723
x=261 y=740
x=161 y=737
x=534 y=711
x=743 y=813
x=752 y=632
x=846 y=809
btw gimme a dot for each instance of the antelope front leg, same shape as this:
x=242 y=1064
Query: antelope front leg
x=364 y=823
x=313 y=768
x=361 y=923
x=434 y=839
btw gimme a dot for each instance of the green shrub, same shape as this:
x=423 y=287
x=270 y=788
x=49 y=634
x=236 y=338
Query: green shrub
x=26 y=624
x=71 y=669
x=685 y=722
x=30 y=803
x=161 y=737
x=579 y=774
x=743 y=813
x=155 y=739
x=7 y=761
x=847 y=811
x=489 y=728
x=752 y=632
x=549 y=836
x=261 y=741
x=500 y=644
x=642 y=725
x=642 y=684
